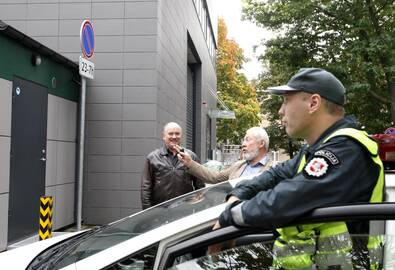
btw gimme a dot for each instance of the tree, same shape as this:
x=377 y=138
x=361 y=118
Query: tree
x=234 y=89
x=354 y=39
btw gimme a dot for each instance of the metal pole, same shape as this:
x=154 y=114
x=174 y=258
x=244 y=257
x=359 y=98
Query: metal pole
x=81 y=139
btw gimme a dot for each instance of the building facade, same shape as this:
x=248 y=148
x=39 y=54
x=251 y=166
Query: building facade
x=154 y=63
x=38 y=119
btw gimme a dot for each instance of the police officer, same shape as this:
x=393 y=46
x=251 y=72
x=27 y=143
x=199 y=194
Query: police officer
x=338 y=165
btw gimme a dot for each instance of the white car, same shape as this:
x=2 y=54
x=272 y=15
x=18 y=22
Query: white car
x=177 y=234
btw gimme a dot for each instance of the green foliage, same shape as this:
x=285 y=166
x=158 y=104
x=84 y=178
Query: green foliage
x=353 y=39
x=234 y=89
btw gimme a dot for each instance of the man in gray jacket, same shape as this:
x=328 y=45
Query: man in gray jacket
x=255 y=160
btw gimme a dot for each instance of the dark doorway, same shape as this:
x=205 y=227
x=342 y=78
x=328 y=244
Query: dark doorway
x=28 y=157
x=191 y=109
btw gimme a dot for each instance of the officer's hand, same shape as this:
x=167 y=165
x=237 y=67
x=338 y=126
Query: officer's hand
x=216 y=225
x=232 y=199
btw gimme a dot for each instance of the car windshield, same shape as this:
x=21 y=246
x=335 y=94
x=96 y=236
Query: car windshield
x=141 y=222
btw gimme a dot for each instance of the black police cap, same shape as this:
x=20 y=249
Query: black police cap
x=314 y=81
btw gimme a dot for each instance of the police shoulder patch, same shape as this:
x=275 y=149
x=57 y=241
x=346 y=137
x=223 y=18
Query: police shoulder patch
x=329 y=155
x=317 y=167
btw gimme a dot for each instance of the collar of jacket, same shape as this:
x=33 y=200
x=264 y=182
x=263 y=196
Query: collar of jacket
x=342 y=123
x=164 y=151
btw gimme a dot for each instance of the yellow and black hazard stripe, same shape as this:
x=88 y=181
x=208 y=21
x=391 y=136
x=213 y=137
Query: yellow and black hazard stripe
x=46 y=203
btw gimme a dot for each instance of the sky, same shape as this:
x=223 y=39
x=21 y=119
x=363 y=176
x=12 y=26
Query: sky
x=245 y=33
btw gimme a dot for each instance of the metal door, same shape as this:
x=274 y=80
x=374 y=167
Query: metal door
x=27 y=159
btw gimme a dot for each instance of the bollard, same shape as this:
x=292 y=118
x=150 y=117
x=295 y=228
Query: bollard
x=46 y=203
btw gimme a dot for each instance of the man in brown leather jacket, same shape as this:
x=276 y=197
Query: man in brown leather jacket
x=255 y=160
x=164 y=176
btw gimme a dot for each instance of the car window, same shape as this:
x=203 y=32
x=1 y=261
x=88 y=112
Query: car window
x=143 y=260
x=374 y=250
x=137 y=224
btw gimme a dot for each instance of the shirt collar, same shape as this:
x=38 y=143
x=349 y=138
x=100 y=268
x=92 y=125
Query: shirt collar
x=261 y=162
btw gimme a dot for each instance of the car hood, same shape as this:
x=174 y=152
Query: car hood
x=19 y=258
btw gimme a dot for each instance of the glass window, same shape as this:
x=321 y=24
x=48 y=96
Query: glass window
x=375 y=250
x=144 y=260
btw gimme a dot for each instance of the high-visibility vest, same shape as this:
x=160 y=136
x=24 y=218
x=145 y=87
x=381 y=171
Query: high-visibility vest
x=328 y=244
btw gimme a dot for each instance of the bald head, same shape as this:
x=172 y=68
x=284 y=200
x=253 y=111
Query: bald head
x=171 y=135
x=171 y=125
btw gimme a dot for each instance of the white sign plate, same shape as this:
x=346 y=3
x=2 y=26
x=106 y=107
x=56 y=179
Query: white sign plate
x=87 y=68
x=222 y=114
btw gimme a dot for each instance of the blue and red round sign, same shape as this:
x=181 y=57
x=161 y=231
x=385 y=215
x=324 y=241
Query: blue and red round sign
x=390 y=131
x=87 y=39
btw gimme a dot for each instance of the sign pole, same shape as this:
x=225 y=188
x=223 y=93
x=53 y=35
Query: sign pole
x=86 y=70
x=81 y=144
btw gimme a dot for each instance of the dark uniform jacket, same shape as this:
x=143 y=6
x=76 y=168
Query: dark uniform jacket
x=162 y=180
x=280 y=194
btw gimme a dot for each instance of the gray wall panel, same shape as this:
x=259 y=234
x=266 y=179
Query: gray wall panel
x=108 y=43
x=109 y=60
x=65 y=162
x=104 y=146
x=74 y=10
x=101 y=215
x=141 y=10
x=140 y=60
x=133 y=164
x=5 y=108
x=107 y=10
x=140 y=77
x=103 y=198
x=102 y=163
x=130 y=199
x=106 y=181
x=67 y=119
x=42 y=28
x=140 y=44
x=3 y=221
x=105 y=94
x=139 y=112
x=51 y=164
x=52 y=118
x=5 y=144
x=104 y=129
x=140 y=94
x=63 y=204
x=139 y=129
x=141 y=27
x=43 y=11
x=136 y=146
x=13 y=12
x=131 y=181
x=103 y=111
x=108 y=27
x=70 y=27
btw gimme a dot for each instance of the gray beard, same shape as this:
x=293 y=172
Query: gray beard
x=251 y=155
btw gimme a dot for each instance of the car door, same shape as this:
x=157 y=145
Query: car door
x=252 y=248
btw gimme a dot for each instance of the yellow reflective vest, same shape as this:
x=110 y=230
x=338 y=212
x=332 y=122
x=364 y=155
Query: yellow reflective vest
x=328 y=244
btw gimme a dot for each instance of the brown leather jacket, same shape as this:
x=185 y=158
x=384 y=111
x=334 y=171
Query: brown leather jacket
x=162 y=180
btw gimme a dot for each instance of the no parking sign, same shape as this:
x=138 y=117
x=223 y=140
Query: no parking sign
x=87 y=40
